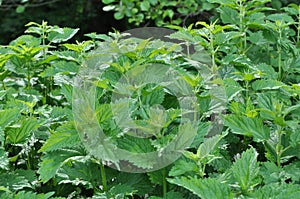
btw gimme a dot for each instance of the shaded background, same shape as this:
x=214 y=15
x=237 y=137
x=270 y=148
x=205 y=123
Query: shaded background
x=85 y=14
x=88 y=15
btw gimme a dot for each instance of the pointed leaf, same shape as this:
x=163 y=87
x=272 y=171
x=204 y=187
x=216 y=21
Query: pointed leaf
x=204 y=188
x=243 y=125
x=67 y=34
x=53 y=161
x=65 y=136
x=8 y=116
x=18 y=135
x=4 y=161
x=245 y=169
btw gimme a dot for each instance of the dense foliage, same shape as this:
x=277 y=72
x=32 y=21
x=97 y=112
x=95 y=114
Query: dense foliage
x=184 y=12
x=252 y=51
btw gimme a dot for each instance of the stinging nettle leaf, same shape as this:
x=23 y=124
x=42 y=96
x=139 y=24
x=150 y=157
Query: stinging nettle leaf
x=229 y=15
x=207 y=188
x=66 y=136
x=267 y=84
x=67 y=33
x=245 y=169
x=54 y=160
x=4 y=161
x=253 y=127
x=8 y=116
x=18 y=135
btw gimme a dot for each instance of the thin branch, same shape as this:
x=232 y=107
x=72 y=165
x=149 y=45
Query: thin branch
x=14 y=4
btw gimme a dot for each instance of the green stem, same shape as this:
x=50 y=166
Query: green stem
x=103 y=176
x=212 y=52
x=279 y=51
x=28 y=76
x=247 y=89
x=298 y=28
x=188 y=49
x=243 y=40
x=164 y=184
x=279 y=150
x=4 y=88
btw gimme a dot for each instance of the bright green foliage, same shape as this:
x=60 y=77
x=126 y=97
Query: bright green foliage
x=204 y=188
x=251 y=50
x=65 y=136
x=24 y=194
x=253 y=127
x=4 y=159
x=21 y=133
x=161 y=12
x=245 y=170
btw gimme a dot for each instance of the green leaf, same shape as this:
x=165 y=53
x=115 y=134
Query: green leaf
x=207 y=188
x=54 y=160
x=66 y=34
x=79 y=173
x=4 y=161
x=268 y=71
x=65 y=136
x=278 y=191
x=139 y=181
x=108 y=1
x=103 y=37
x=182 y=167
x=67 y=91
x=2 y=137
x=8 y=116
x=229 y=15
x=271 y=173
x=118 y=15
x=292 y=171
x=280 y=17
x=122 y=189
x=222 y=2
x=145 y=5
x=295 y=138
x=267 y=84
x=209 y=145
x=266 y=103
x=60 y=67
x=135 y=144
x=152 y=95
x=28 y=194
x=243 y=125
x=20 y=134
x=232 y=88
x=157 y=177
x=169 y=195
x=20 y=9
x=14 y=181
x=245 y=170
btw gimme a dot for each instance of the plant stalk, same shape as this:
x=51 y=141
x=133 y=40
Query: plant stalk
x=164 y=184
x=103 y=177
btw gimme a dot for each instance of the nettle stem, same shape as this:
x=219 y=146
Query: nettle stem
x=212 y=51
x=298 y=27
x=27 y=65
x=279 y=147
x=243 y=41
x=164 y=182
x=279 y=51
x=103 y=177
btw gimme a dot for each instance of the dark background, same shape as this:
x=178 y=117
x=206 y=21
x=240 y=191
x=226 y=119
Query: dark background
x=85 y=14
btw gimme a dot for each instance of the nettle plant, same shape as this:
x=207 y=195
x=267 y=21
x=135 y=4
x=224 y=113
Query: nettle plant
x=251 y=50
